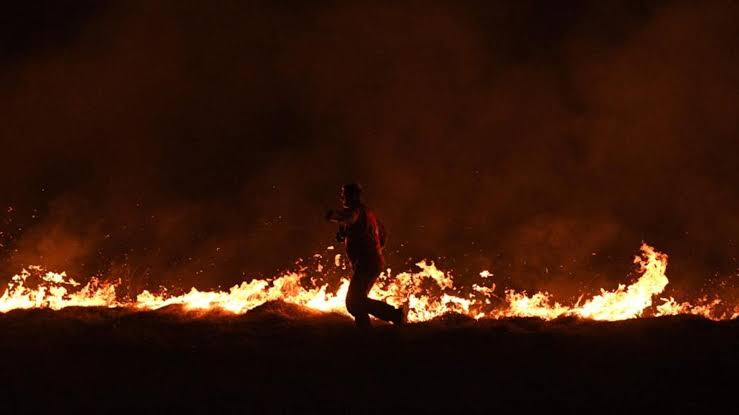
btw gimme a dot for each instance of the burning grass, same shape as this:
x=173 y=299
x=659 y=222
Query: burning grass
x=431 y=293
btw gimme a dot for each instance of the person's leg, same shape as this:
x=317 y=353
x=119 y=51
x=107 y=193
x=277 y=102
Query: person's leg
x=374 y=307
x=383 y=311
x=356 y=298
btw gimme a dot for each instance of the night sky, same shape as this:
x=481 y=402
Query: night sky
x=200 y=142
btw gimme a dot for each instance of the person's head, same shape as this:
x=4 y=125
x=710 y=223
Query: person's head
x=351 y=194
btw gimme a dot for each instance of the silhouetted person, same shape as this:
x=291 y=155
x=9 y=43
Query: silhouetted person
x=364 y=236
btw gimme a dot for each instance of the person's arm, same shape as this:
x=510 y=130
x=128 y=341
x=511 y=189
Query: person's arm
x=343 y=217
x=381 y=233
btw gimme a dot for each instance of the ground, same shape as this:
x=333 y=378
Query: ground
x=284 y=359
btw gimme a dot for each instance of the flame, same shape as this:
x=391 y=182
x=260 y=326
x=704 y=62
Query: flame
x=429 y=292
x=705 y=308
x=52 y=292
x=248 y=295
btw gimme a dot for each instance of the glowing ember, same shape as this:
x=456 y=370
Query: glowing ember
x=430 y=293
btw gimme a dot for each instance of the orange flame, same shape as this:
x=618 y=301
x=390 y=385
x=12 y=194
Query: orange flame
x=430 y=293
x=52 y=292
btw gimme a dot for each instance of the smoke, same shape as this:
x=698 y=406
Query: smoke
x=201 y=143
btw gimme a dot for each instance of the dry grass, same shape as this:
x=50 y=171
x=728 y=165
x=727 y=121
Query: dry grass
x=286 y=359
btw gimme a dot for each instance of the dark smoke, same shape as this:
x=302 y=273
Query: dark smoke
x=183 y=143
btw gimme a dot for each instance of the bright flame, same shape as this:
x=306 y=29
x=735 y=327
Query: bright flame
x=430 y=293
x=705 y=308
x=52 y=292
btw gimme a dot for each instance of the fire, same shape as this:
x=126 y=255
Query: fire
x=620 y=304
x=430 y=293
x=705 y=308
x=52 y=292
x=248 y=295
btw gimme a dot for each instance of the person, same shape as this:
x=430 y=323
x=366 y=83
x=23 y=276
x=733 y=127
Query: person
x=364 y=237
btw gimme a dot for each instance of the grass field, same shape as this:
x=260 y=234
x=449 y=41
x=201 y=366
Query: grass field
x=281 y=358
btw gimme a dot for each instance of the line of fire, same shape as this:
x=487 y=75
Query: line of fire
x=431 y=293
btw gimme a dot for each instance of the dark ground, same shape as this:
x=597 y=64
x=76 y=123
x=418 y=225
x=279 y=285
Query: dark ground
x=282 y=359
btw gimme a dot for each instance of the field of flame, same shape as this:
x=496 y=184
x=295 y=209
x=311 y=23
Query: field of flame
x=286 y=358
x=430 y=293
